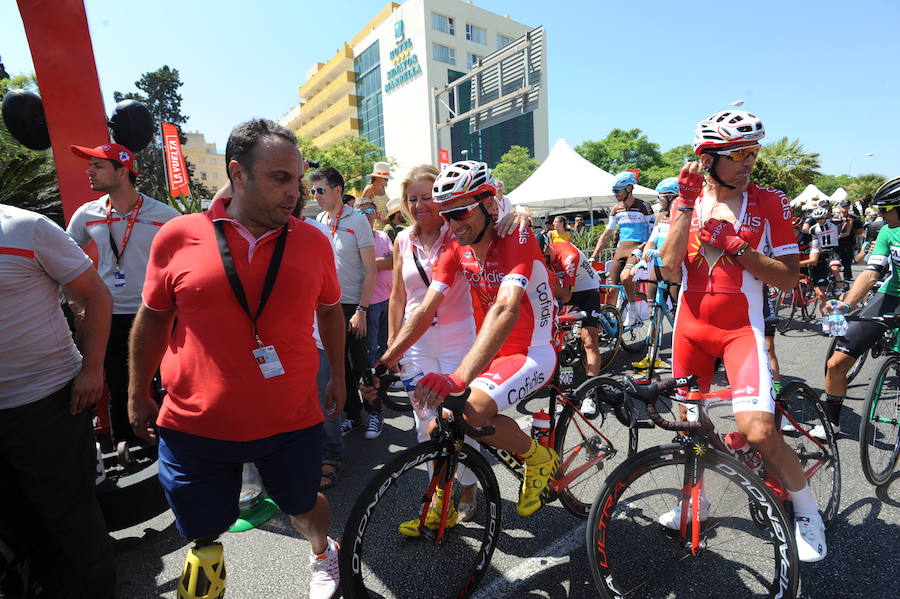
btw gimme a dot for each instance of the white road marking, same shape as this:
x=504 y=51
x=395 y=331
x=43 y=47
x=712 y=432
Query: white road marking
x=510 y=581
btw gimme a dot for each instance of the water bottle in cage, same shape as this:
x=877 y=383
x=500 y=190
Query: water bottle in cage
x=737 y=444
x=540 y=428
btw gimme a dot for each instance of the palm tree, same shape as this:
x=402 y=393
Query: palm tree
x=29 y=181
x=794 y=167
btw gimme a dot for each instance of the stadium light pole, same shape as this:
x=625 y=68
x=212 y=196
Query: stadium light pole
x=866 y=155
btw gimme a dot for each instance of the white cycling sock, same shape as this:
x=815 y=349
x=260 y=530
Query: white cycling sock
x=804 y=502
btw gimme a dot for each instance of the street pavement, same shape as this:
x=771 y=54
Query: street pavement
x=544 y=555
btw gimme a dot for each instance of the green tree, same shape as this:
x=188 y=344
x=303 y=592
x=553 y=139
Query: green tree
x=27 y=177
x=828 y=184
x=763 y=174
x=863 y=187
x=353 y=156
x=514 y=167
x=159 y=91
x=794 y=165
x=621 y=150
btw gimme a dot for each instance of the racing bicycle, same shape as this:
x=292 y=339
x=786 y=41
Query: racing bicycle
x=736 y=531
x=879 y=427
x=449 y=561
x=794 y=302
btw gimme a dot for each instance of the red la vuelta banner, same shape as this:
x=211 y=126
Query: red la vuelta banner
x=175 y=167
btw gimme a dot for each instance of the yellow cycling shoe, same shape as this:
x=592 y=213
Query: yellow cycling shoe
x=203 y=576
x=642 y=365
x=410 y=528
x=540 y=468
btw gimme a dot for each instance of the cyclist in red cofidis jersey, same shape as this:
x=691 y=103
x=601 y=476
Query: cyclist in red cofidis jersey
x=727 y=237
x=514 y=313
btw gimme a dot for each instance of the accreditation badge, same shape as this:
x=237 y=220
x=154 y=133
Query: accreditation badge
x=268 y=361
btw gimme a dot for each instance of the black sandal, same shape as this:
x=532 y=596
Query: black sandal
x=331 y=476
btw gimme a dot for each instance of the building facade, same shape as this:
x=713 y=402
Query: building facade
x=208 y=163
x=380 y=85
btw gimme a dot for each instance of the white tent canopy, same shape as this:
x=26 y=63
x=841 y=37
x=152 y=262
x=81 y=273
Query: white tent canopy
x=839 y=195
x=808 y=197
x=566 y=182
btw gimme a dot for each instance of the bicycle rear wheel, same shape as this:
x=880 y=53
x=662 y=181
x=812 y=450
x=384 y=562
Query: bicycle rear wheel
x=590 y=448
x=632 y=555
x=879 y=430
x=857 y=366
x=819 y=460
x=610 y=337
x=377 y=561
x=786 y=308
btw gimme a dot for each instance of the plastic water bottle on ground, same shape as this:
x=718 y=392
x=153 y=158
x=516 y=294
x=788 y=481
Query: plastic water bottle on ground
x=251 y=487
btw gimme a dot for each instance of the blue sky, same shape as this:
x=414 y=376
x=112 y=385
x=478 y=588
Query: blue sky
x=825 y=72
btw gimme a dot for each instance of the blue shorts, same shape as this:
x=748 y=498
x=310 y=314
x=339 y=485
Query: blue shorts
x=201 y=477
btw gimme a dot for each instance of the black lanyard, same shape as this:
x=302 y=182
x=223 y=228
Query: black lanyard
x=271 y=274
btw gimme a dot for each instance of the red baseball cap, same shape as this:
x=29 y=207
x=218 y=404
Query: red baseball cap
x=116 y=152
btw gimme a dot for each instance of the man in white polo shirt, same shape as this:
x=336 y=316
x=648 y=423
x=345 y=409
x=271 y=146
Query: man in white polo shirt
x=123 y=224
x=47 y=457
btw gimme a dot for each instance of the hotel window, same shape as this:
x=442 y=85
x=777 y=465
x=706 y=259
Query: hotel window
x=476 y=34
x=442 y=23
x=443 y=53
x=502 y=41
x=471 y=59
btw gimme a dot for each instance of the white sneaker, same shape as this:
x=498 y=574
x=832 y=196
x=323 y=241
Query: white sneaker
x=818 y=431
x=588 y=407
x=787 y=427
x=810 y=534
x=672 y=518
x=326 y=576
x=374 y=426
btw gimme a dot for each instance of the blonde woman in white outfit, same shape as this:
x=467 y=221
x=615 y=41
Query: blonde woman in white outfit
x=442 y=348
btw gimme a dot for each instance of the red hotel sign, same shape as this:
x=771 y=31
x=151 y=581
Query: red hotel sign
x=178 y=177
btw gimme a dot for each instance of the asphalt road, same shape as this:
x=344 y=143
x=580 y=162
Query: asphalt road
x=541 y=556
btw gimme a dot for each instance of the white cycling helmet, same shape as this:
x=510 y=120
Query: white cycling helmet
x=820 y=213
x=463 y=179
x=727 y=128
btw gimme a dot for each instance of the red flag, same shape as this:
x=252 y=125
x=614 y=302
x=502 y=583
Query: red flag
x=175 y=167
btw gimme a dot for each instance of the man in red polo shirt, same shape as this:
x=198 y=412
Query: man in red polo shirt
x=241 y=284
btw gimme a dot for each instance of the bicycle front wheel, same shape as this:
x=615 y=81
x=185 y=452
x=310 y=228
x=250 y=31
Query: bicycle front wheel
x=633 y=555
x=819 y=460
x=654 y=340
x=377 y=561
x=590 y=448
x=879 y=430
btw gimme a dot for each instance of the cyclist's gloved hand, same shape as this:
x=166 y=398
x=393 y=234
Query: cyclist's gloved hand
x=434 y=387
x=721 y=234
x=690 y=182
x=651 y=255
x=834 y=306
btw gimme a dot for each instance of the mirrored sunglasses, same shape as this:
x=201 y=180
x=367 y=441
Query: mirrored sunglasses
x=317 y=190
x=740 y=154
x=619 y=189
x=461 y=213
x=366 y=211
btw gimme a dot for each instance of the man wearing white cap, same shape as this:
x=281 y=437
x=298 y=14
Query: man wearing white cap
x=123 y=224
x=380 y=174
